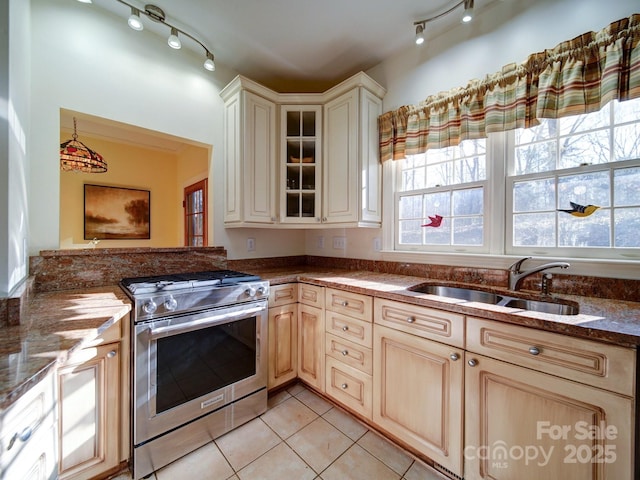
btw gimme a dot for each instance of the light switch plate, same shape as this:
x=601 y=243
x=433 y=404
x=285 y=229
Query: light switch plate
x=339 y=243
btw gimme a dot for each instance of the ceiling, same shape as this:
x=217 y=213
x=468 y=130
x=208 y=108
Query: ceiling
x=299 y=45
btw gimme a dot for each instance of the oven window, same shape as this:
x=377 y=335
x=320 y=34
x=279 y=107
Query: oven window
x=196 y=363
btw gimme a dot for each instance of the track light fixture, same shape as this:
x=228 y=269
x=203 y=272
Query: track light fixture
x=134 y=20
x=156 y=14
x=420 y=34
x=174 y=41
x=467 y=16
x=421 y=24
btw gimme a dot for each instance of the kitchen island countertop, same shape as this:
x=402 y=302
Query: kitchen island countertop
x=53 y=325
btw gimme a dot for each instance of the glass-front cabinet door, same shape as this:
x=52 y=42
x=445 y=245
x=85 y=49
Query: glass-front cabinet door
x=301 y=163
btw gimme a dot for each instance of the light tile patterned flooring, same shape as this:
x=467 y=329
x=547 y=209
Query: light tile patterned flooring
x=301 y=436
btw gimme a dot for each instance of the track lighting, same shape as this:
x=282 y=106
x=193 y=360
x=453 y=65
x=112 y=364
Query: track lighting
x=420 y=34
x=421 y=24
x=174 y=41
x=208 y=63
x=156 y=14
x=134 y=20
x=468 y=11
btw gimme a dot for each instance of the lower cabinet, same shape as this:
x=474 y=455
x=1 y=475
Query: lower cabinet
x=28 y=434
x=93 y=409
x=418 y=394
x=283 y=341
x=311 y=345
x=530 y=425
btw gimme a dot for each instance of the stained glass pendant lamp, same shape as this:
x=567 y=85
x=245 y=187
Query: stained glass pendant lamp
x=76 y=156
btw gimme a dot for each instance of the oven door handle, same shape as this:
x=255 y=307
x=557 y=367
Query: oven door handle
x=161 y=332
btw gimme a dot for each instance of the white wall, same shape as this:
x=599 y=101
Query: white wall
x=14 y=121
x=102 y=67
x=507 y=32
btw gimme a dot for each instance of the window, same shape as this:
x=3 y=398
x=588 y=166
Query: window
x=441 y=198
x=563 y=169
x=539 y=187
x=195 y=214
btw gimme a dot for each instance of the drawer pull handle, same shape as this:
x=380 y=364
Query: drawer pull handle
x=345 y=352
x=411 y=319
x=472 y=362
x=344 y=386
x=345 y=328
x=345 y=304
x=111 y=354
x=23 y=436
x=454 y=356
x=534 y=350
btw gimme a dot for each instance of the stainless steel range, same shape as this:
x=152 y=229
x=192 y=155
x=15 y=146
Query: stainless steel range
x=199 y=359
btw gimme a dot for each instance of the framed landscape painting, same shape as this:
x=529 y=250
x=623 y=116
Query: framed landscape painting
x=114 y=213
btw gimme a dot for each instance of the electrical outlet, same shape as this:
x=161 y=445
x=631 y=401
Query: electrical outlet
x=340 y=243
x=377 y=245
x=320 y=243
x=251 y=244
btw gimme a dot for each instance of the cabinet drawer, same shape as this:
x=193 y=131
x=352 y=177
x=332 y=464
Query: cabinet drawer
x=347 y=303
x=424 y=322
x=283 y=294
x=349 y=386
x=357 y=331
x=311 y=295
x=350 y=353
x=602 y=365
x=20 y=423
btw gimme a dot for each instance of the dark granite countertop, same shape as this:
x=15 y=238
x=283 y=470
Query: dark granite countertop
x=612 y=321
x=53 y=325
x=56 y=323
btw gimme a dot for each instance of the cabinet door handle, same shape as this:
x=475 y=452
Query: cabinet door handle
x=111 y=354
x=454 y=356
x=345 y=328
x=345 y=352
x=345 y=304
x=472 y=362
x=344 y=386
x=411 y=319
x=23 y=436
x=534 y=350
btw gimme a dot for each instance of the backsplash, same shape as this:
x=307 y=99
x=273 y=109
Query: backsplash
x=84 y=268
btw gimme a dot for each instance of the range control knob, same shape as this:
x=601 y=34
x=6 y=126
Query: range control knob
x=149 y=307
x=170 y=304
x=250 y=291
x=261 y=291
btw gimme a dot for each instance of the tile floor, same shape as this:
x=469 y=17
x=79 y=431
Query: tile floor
x=301 y=436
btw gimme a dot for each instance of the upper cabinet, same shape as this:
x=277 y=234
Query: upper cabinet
x=250 y=154
x=301 y=163
x=326 y=170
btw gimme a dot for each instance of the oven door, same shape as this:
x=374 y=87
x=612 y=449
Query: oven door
x=189 y=365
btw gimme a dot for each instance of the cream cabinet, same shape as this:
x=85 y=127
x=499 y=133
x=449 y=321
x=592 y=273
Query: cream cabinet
x=311 y=335
x=307 y=159
x=348 y=349
x=418 y=394
x=283 y=334
x=28 y=434
x=249 y=155
x=539 y=421
x=301 y=160
x=351 y=169
x=93 y=407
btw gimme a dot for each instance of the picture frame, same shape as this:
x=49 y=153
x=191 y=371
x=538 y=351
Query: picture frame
x=116 y=213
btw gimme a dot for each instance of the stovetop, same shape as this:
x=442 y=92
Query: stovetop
x=164 y=295
x=163 y=283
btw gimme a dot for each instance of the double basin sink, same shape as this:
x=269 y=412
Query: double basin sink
x=473 y=295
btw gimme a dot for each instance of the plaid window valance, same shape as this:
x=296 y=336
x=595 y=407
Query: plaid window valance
x=577 y=76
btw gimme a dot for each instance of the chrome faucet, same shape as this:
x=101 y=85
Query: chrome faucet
x=516 y=276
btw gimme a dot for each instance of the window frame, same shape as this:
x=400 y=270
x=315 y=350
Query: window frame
x=498 y=209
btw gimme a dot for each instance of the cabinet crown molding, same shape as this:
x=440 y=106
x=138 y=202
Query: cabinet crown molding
x=360 y=79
